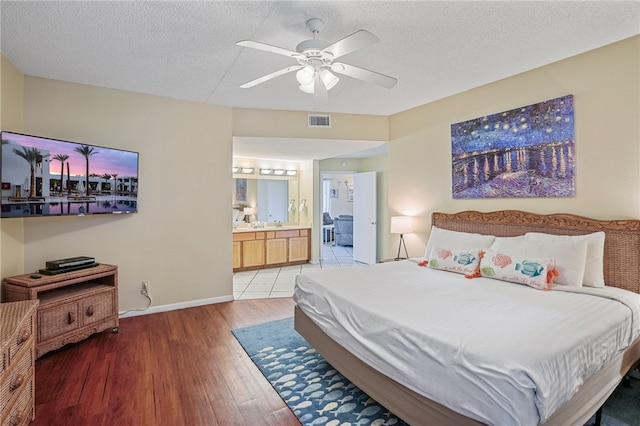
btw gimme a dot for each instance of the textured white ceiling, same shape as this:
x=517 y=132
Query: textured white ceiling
x=187 y=50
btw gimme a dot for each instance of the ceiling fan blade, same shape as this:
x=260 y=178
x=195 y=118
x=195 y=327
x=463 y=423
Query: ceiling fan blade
x=270 y=76
x=350 y=43
x=269 y=48
x=364 y=75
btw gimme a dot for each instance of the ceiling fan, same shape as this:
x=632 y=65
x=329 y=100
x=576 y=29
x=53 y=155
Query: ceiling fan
x=316 y=64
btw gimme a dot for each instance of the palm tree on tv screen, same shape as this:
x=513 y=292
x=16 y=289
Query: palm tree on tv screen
x=106 y=177
x=32 y=156
x=61 y=158
x=86 y=151
x=115 y=182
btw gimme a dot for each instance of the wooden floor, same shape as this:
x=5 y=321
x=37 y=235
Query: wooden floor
x=181 y=367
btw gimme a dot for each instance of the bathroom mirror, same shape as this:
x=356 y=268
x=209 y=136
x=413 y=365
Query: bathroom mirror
x=273 y=199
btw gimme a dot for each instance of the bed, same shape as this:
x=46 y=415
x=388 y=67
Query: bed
x=338 y=312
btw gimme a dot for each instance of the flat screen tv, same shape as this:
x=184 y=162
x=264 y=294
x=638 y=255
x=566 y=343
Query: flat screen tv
x=50 y=177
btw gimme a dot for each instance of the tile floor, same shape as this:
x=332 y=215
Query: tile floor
x=279 y=282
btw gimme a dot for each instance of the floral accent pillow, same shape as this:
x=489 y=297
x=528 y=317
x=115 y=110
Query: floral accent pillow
x=536 y=273
x=569 y=257
x=461 y=261
x=445 y=238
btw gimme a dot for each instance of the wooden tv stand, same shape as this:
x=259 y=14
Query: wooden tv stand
x=73 y=305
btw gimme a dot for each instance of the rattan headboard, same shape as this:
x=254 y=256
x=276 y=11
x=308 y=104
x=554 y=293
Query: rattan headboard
x=621 y=244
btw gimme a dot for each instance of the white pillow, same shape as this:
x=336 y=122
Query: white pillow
x=594 y=268
x=454 y=239
x=507 y=242
x=516 y=268
x=461 y=261
x=569 y=256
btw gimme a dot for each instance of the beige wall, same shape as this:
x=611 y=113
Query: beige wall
x=293 y=124
x=606 y=88
x=11 y=113
x=180 y=240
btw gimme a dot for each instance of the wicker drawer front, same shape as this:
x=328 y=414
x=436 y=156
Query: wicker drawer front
x=24 y=333
x=98 y=307
x=14 y=382
x=57 y=320
x=22 y=411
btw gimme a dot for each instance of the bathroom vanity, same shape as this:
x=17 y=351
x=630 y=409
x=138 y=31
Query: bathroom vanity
x=271 y=246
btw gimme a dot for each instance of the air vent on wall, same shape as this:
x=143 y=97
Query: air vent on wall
x=319 y=120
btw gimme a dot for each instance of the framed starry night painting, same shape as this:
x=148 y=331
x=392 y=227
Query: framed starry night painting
x=524 y=152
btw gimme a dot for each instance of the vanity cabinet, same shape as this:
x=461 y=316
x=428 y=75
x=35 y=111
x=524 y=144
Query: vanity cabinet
x=298 y=248
x=253 y=252
x=237 y=254
x=270 y=248
x=276 y=251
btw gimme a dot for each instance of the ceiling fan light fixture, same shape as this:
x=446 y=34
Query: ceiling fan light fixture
x=328 y=78
x=305 y=75
x=308 y=88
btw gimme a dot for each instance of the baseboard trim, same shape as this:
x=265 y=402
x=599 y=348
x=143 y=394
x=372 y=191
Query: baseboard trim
x=175 y=306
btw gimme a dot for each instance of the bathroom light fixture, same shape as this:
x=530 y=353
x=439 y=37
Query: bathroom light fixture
x=278 y=172
x=242 y=170
x=401 y=225
x=303 y=205
x=292 y=206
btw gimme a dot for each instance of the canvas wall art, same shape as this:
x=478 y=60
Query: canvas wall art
x=241 y=190
x=523 y=152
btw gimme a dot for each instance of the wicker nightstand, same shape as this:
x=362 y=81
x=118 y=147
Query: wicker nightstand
x=73 y=305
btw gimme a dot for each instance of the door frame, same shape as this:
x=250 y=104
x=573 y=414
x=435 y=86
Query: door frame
x=324 y=174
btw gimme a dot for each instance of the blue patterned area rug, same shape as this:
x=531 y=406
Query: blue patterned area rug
x=320 y=396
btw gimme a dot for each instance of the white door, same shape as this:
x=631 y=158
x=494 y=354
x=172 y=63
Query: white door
x=364 y=217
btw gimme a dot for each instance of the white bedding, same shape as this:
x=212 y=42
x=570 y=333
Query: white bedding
x=500 y=353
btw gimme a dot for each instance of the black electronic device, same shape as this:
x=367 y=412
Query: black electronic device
x=70 y=269
x=70 y=262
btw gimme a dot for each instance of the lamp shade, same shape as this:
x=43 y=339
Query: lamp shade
x=305 y=75
x=248 y=211
x=401 y=225
x=328 y=78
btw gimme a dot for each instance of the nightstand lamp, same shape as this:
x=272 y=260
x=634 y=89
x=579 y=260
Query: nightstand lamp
x=402 y=225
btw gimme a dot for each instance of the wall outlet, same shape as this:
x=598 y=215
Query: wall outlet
x=145 y=287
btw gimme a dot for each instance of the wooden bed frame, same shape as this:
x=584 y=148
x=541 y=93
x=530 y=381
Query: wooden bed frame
x=621 y=269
